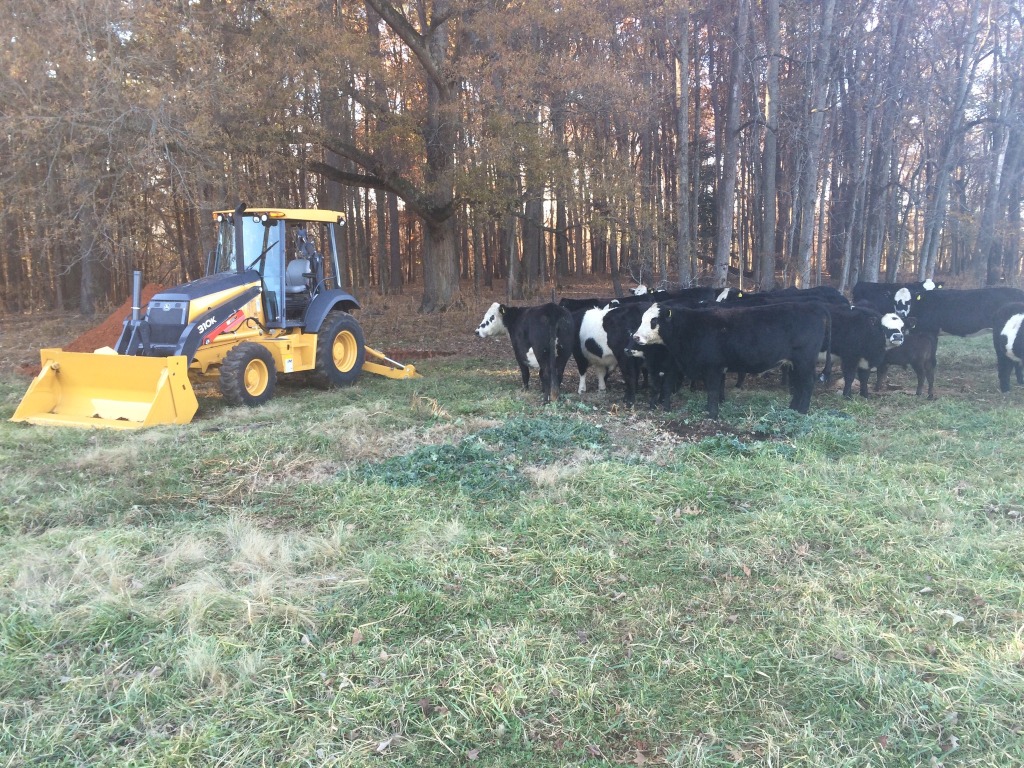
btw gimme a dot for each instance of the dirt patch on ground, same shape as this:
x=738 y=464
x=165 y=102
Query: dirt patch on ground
x=107 y=332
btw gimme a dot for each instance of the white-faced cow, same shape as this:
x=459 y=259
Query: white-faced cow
x=603 y=337
x=961 y=312
x=918 y=351
x=1009 y=343
x=705 y=343
x=890 y=297
x=542 y=337
x=860 y=338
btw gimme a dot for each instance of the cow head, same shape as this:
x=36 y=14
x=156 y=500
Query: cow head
x=640 y=290
x=892 y=327
x=493 y=322
x=929 y=285
x=648 y=332
x=902 y=299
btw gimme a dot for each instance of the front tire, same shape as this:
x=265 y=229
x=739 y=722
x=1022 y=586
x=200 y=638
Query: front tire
x=248 y=375
x=340 y=351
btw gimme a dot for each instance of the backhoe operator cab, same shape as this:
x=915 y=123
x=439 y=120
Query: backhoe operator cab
x=281 y=246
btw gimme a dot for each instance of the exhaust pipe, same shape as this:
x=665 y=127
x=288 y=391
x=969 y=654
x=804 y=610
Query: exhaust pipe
x=136 y=294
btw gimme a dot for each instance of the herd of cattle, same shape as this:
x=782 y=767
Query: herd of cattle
x=699 y=334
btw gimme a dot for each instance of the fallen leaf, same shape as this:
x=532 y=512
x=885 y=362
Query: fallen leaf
x=594 y=751
x=473 y=754
x=840 y=655
x=640 y=759
x=357 y=636
x=425 y=706
x=955 y=618
x=385 y=745
x=746 y=570
x=883 y=742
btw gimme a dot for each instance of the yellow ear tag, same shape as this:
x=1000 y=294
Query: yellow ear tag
x=739 y=294
x=918 y=297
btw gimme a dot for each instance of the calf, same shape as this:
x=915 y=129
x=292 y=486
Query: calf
x=603 y=337
x=890 y=297
x=1009 y=344
x=917 y=351
x=961 y=312
x=542 y=337
x=860 y=338
x=705 y=343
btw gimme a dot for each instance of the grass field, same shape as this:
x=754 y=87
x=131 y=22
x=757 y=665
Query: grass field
x=441 y=572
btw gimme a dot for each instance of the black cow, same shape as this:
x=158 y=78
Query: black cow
x=890 y=297
x=603 y=337
x=542 y=337
x=705 y=343
x=822 y=294
x=690 y=296
x=961 y=312
x=1009 y=344
x=860 y=338
x=917 y=351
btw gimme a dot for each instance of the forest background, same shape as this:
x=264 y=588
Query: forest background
x=756 y=143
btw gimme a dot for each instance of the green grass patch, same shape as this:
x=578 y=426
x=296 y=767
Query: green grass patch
x=441 y=572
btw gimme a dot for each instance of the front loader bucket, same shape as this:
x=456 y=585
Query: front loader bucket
x=83 y=389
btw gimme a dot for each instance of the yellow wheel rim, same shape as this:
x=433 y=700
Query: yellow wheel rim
x=256 y=378
x=345 y=351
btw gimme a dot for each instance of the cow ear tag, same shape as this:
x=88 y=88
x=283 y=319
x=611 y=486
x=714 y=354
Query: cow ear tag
x=739 y=294
x=501 y=310
x=669 y=313
x=919 y=297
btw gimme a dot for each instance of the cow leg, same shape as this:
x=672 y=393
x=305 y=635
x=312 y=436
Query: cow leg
x=880 y=378
x=524 y=369
x=802 y=377
x=929 y=372
x=714 y=382
x=1019 y=369
x=863 y=376
x=1004 y=366
x=849 y=374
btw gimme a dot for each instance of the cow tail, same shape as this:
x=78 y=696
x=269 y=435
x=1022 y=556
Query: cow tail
x=553 y=357
x=828 y=341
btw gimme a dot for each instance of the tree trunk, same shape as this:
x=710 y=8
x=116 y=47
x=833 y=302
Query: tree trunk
x=440 y=284
x=769 y=157
x=814 y=134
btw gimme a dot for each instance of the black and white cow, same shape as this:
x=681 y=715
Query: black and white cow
x=890 y=297
x=918 y=351
x=705 y=343
x=603 y=337
x=961 y=312
x=860 y=338
x=1009 y=343
x=542 y=337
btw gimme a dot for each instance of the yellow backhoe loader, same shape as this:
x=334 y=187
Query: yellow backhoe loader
x=270 y=304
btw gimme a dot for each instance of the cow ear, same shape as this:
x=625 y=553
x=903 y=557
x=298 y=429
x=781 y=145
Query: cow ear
x=501 y=309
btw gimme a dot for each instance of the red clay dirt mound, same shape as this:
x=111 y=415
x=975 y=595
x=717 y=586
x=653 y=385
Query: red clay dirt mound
x=106 y=333
x=103 y=335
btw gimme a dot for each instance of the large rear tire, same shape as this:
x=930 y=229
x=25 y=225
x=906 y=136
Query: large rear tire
x=340 y=351
x=248 y=375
